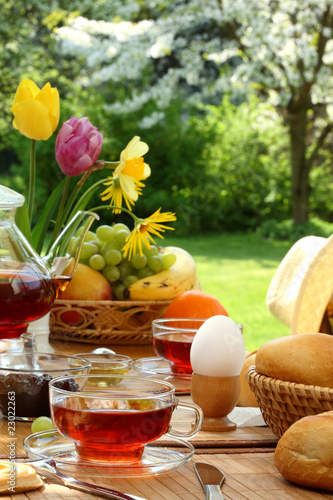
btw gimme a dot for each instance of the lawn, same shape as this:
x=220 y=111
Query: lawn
x=237 y=269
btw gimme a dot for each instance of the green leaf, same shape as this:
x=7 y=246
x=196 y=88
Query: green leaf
x=41 y=228
x=22 y=221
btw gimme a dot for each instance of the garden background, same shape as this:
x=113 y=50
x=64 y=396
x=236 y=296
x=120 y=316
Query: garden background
x=234 y=99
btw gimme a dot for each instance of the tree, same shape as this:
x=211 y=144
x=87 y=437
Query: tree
x=196 y=51
x=286 y=49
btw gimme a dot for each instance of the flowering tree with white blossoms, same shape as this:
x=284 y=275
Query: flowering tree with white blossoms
x=282 y=48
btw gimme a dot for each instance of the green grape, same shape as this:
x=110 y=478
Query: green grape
x=121 y=236
x=168 y=259
x=129 y=280
x=113 y=257
x=145 y=272
x=88 y=249
x=105 y=233
x=111 y=273
x=97 y=262
x=42 y=424
x=139 y=261
x=155 y=263
x=119 y=291
x=110 y=245
x=73 y=245
x=90 y=236
x=150 y=252
x=70 y=244
x=125 y=268
x=97 y=243
x=120 y=227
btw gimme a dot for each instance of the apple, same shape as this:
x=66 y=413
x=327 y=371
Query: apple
x=86 y=284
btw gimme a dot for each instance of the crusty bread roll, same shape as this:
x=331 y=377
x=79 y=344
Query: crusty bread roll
x=246 y=396
x=15 y=478
x=303 y=358
x=304 y=454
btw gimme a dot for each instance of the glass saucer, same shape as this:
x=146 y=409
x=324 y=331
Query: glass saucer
x=155 y=460
x=161 y=369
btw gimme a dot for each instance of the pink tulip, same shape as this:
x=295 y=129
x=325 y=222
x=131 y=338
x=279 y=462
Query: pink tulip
x=78 y=146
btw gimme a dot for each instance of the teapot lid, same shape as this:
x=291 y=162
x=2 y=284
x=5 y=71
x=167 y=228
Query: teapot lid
x=9 y=198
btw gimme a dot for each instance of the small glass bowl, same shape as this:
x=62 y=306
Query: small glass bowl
x=24 y=381
x=106 y=364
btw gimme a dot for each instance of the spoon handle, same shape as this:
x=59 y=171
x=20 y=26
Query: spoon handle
x=71 y=482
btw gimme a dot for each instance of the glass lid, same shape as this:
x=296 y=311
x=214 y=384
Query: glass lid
x=9 y=198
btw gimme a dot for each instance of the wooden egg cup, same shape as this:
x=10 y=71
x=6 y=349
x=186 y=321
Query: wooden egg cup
x=217 y=397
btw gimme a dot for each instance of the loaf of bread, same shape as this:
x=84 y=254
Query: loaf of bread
x=303 y=358
x=15 y=478
x=246 y=396
x=304 y=454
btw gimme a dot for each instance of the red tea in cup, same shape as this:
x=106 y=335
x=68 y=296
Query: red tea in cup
x=112 y=434
x=172 y=340
x=114 y=420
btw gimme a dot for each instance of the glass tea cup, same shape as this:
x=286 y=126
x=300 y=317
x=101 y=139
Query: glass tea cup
x=172 y=340
x=113 y=424
x=103 y=364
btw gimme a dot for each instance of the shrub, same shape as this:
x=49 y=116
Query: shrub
x=287 y=230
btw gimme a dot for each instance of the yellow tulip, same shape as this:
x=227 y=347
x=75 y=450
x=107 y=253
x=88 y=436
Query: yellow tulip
x=36 y=112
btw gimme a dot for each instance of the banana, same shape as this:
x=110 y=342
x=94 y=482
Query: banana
x=168 y=284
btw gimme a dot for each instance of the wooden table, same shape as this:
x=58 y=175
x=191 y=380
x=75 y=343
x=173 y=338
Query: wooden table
x=245 y=456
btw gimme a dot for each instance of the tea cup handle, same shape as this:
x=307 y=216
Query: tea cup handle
x=196 y=425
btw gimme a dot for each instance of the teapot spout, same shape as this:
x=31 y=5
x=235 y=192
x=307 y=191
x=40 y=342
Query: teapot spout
x=64 y=254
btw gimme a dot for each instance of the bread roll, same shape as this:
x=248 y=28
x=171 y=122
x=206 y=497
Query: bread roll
x=15 y=478
x=304 y=454
x=303 y=358
x=246 y=396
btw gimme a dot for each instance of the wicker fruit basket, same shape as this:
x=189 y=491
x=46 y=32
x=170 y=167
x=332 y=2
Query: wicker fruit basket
x=105 y=321
x=283 y=403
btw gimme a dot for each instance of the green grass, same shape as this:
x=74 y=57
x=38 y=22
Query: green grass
x=237 y=269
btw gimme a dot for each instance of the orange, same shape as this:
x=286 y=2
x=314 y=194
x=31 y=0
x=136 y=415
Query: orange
x=195 y=304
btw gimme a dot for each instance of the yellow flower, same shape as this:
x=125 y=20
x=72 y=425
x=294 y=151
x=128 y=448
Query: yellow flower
x=126 y=181
x=143 y=228
x=36 y=112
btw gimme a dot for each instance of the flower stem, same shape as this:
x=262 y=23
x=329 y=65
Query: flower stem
x=107 y=207
x=99 y=165
x=32 y=179
x=60 y=216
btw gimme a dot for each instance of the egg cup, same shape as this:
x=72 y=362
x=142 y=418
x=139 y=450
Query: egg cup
x=217 y=397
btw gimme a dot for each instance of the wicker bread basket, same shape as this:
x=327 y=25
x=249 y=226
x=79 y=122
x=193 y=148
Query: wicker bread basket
x=105 y=321
x=283 y=403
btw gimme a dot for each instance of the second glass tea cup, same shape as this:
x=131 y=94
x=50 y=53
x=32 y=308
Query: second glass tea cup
x=114 y=423
x=172 y=340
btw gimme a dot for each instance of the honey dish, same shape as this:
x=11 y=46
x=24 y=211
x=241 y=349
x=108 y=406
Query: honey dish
x=24 y=380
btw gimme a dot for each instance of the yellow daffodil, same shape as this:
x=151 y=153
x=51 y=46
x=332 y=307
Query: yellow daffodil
x=36 y=112
x=126 y=181
x=143 y=230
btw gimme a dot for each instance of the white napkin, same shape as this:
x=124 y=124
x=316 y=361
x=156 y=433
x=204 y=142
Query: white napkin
x=246 y=416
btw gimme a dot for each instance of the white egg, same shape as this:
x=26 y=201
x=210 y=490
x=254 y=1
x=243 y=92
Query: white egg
x=218 y=348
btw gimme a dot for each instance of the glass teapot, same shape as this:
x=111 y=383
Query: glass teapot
x=29 y=283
